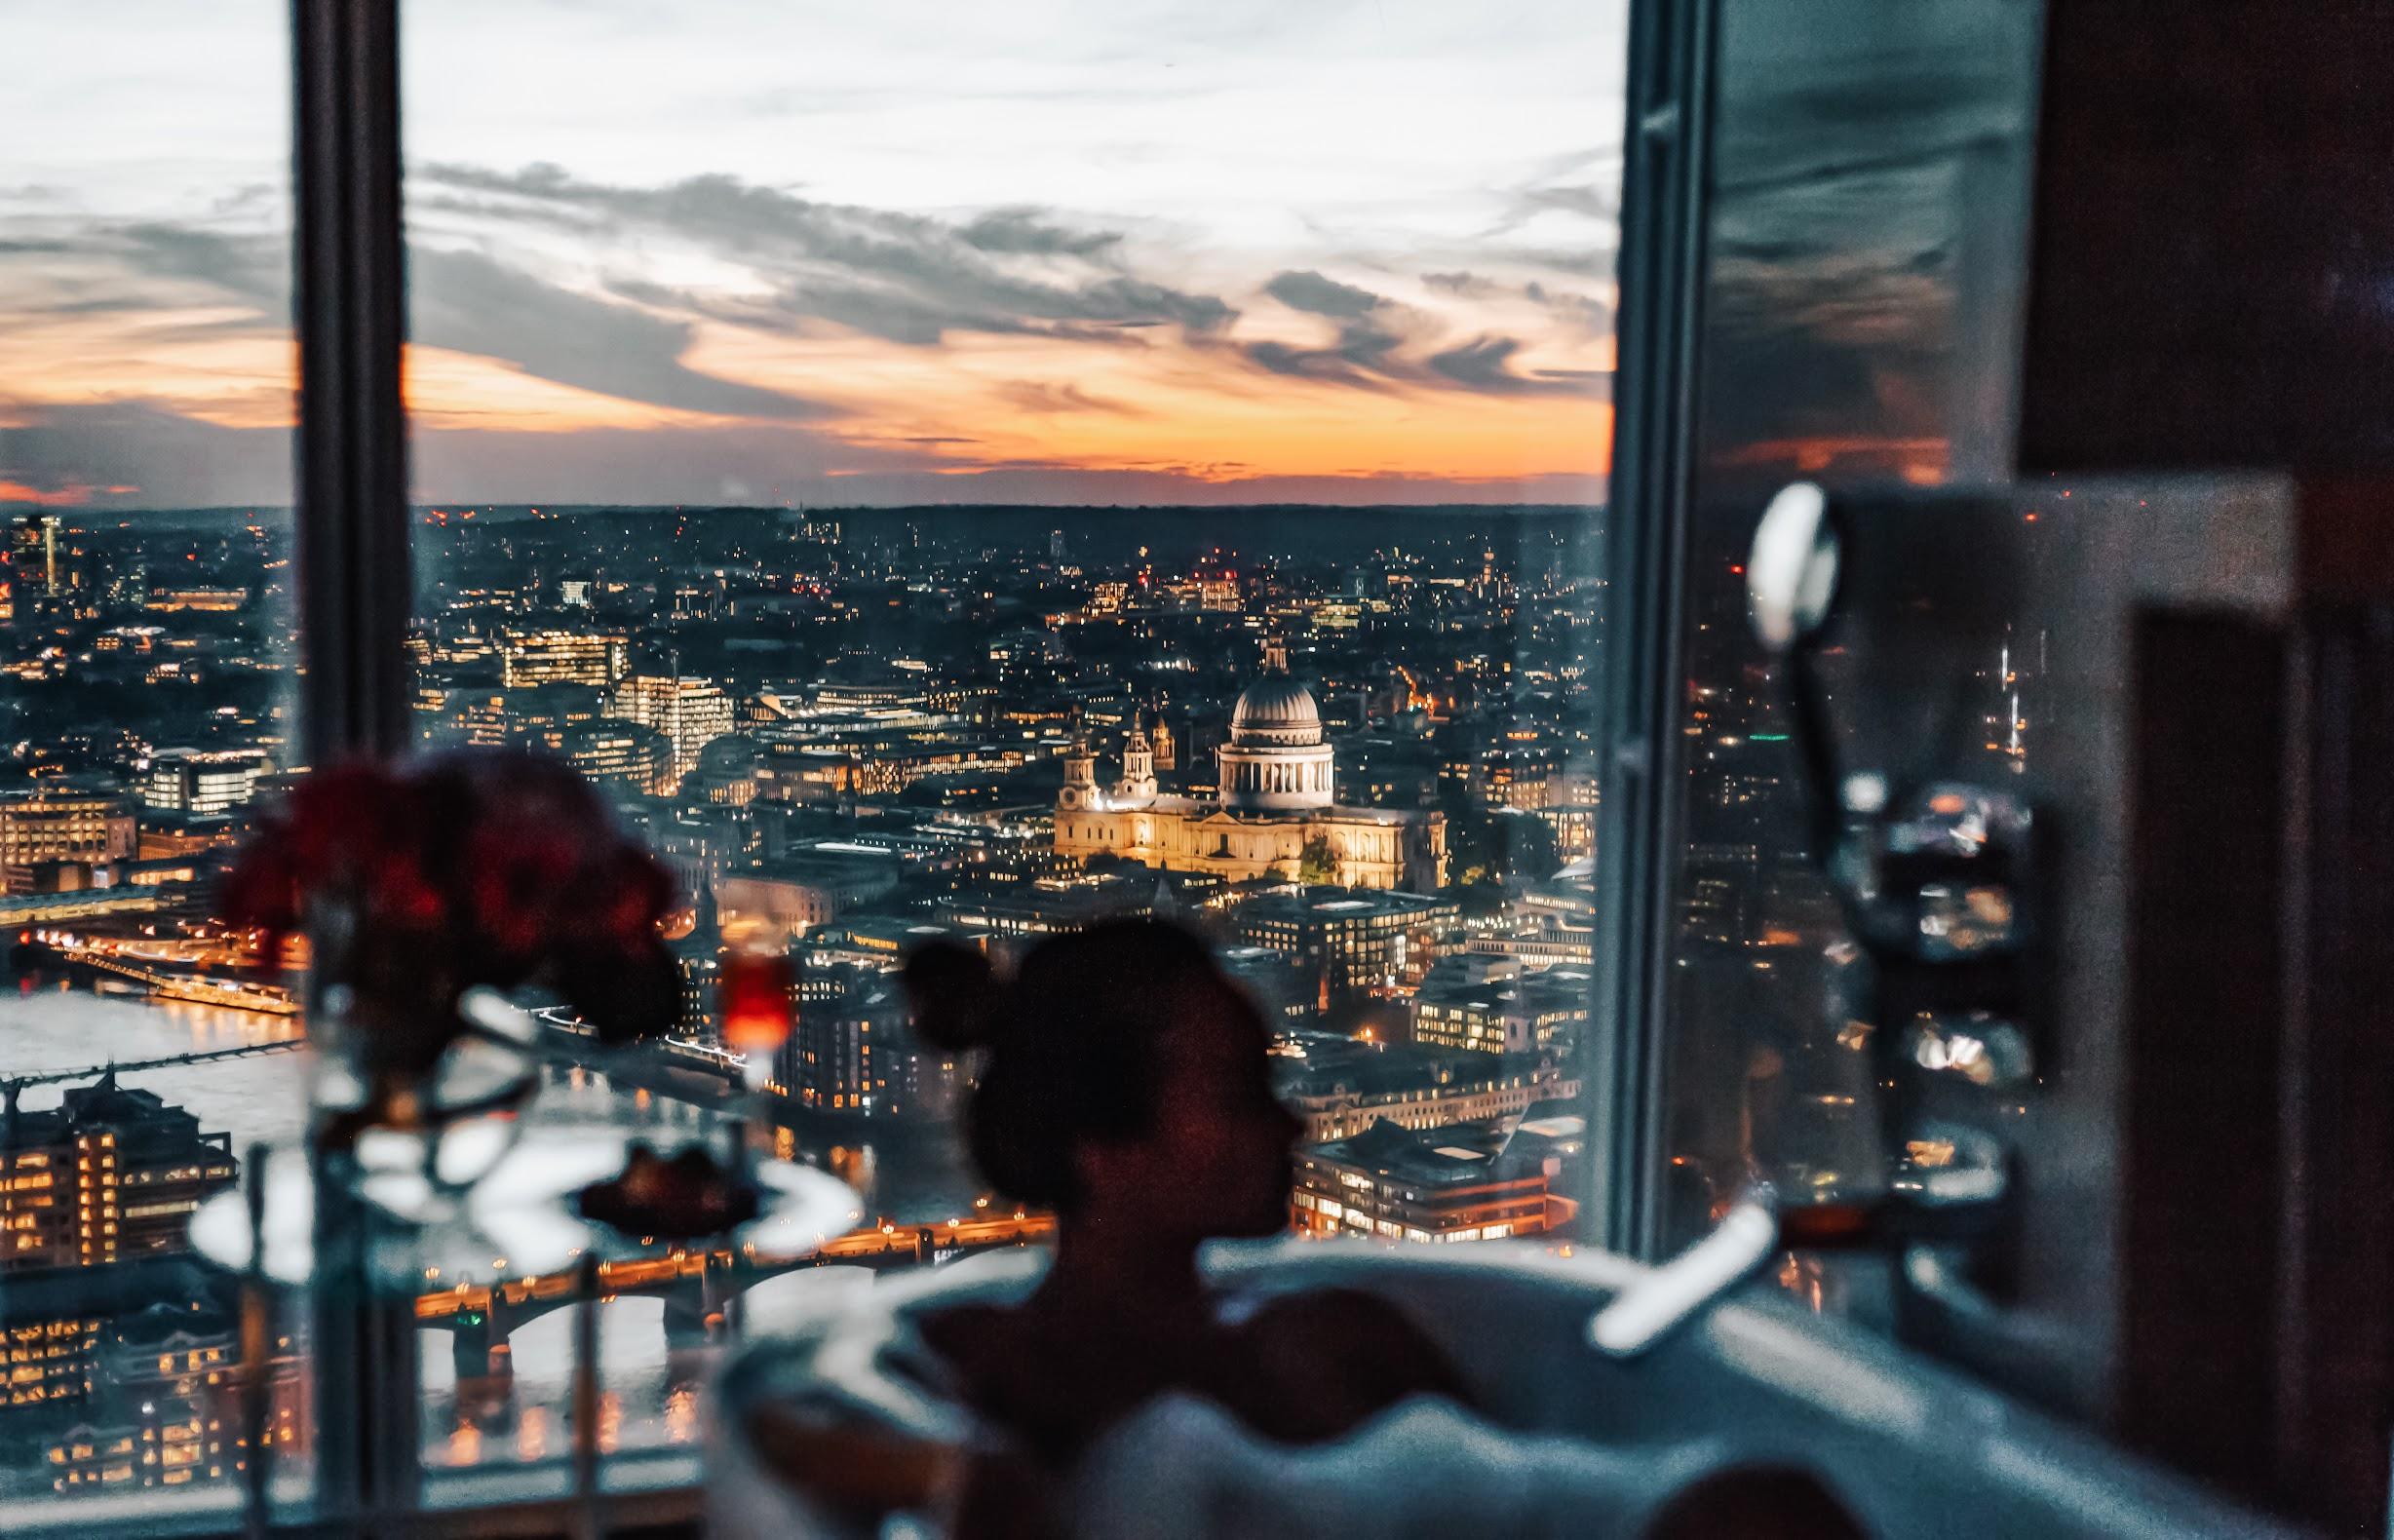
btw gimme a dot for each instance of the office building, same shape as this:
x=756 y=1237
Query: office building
x=691 y=713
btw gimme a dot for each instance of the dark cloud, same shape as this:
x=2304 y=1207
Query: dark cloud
x=904 y=278
x=251 y=198
x=253 y=267
x=1362 y=356
x=1581 y=262
x=1583 y=185
x=1483 y=363
x=465 y=301
x=460 y=301
x=1372 y=350
x=1023 y=231
x=1371 y=328
x=1317 y=295
x=913 y=302
x=916 y=280
x=421 y=204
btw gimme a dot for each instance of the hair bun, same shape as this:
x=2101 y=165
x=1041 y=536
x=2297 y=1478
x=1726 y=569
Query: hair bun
x=952 y=992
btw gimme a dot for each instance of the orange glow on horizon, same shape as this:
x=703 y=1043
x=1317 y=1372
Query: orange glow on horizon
x=170 y=358
x=1916 y=459
x=73 y=495
x=862 y=405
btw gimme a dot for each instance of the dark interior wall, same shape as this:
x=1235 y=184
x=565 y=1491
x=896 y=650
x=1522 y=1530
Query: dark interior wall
x=2213 y=238
x=2213 y=287
x=1963 y=240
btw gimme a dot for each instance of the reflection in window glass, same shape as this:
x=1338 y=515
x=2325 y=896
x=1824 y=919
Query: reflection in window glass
x=966 y=476
x=1861 y=263
x=146 y=622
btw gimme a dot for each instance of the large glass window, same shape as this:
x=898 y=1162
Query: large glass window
x=1861 y=267
x=957 y=475
x=964 y=471
x=146 y=670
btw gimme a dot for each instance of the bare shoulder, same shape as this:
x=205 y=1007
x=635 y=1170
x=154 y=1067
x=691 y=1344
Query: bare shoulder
x=1373 y=1340
x=984 y=1346
x=1339 y=1313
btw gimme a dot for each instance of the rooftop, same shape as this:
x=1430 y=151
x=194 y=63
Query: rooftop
x=1326 y=1067
x=1460 y=1154
x=1325 y=905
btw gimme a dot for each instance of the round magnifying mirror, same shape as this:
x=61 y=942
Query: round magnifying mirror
x=1792 y=571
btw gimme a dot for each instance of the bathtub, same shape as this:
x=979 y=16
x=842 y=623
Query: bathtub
x=1910 y=1449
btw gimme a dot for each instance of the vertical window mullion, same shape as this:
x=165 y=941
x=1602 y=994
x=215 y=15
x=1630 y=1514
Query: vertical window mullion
x=353 y=594
x=349 y=300
x=1665 y=179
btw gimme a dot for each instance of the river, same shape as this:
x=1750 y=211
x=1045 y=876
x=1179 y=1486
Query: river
x=650 y=1393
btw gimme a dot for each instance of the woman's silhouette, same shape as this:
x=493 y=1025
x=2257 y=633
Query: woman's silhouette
x=1127 y=1087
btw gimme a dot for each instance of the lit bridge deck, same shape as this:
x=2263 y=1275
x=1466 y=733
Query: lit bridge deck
x=697 y=1285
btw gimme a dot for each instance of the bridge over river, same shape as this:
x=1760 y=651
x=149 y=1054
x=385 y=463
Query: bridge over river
x=697 y=1285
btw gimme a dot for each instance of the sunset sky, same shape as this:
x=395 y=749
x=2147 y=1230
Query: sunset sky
x=1106 y=252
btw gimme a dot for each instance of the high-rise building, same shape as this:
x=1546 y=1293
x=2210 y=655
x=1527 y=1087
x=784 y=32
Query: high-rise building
x=33 y=555
x=542 y=716
x=64 y=824
x=557 y=656
x=855 y=1050
x=1345 y=941
x=201 y=781
x=620 y=755
x=111 y=1174
x=691 y=713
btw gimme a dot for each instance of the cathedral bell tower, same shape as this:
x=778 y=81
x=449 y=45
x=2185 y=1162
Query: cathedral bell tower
x=1080 y=792
x=1137 y=788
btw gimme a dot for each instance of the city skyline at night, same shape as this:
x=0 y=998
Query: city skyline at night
x=845 y=732
x=832 y=436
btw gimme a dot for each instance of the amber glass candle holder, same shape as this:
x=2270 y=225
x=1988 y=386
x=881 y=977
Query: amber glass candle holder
x=754 y=993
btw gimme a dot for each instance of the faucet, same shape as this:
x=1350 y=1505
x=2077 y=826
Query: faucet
x=1936 y=872
x=1936 y=856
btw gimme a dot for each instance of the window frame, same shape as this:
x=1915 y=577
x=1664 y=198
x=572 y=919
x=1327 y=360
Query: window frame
x=1664 y=195
x=353 y=561
x=350 y=517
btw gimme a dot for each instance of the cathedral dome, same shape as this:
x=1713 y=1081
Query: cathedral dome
x=1278 y=705
x=1276 y=761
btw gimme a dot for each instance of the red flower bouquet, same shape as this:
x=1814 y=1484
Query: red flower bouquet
x=491 y=869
